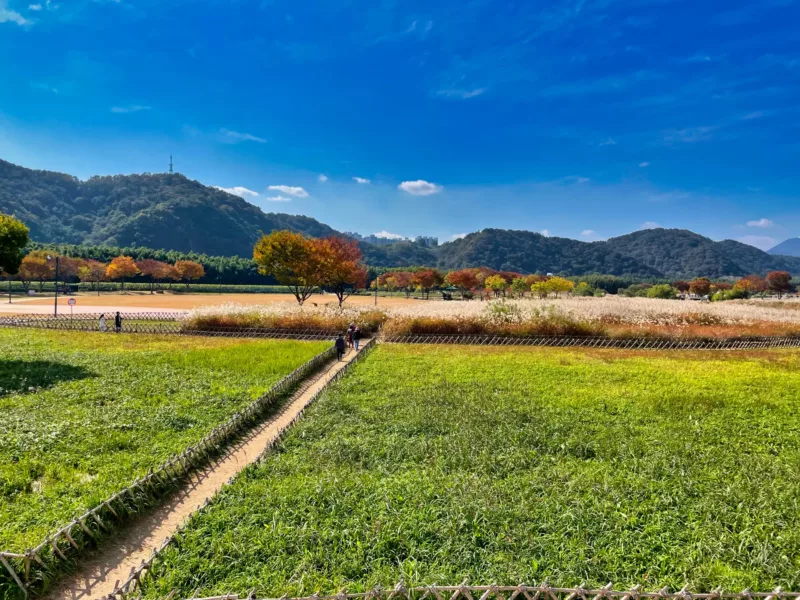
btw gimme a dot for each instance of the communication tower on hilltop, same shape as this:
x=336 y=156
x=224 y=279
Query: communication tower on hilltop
x=170 y=164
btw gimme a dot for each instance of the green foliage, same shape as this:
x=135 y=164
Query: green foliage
x=84 y=414
x=735 y=293
x=13 y=239
x=663 y=291
x=637 y=290
x=509 y=465
x=583 y=289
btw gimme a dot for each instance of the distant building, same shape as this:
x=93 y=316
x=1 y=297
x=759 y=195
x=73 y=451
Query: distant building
x=427 y=241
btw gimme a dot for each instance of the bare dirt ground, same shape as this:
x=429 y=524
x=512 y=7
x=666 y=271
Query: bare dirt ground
x=111 y=564
x=143 y=301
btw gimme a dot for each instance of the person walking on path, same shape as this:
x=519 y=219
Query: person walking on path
x=103 y=323
x=118 y=322
x=349 y=335
x=340 y=346
x=356 y=338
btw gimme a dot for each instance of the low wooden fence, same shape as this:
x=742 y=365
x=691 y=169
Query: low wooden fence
x=24 y=567
x=130 y=585
x=741 y=343
x=543 y=591
x=156 y=323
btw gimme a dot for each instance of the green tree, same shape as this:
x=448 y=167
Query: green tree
x=519 y=287
x=663 y=291
x=13 y=239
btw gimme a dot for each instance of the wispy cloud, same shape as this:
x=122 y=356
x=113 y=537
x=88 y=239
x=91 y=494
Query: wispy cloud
x=588 y=232
x=234 y=137
x=458 y=236
x=361 y=180
x=278 y=199
x=689 y=135
x=290 y=190
x=650 y=225
x=322 y=178
x=545 y=233
x=756 y=114
x=35 y=7
x=573 y=179
x=460 y=94
x=420 y=187
x=240 y=191
x=644 y=164
x=10 y=16
x=45 y=87
x=388 y=235
x=608 y=142
x=762 y=223
x=133 y=108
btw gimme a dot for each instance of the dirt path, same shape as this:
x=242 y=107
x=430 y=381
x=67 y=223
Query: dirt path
x=111 y=564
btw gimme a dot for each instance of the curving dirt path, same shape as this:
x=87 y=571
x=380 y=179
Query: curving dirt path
x=100 y=571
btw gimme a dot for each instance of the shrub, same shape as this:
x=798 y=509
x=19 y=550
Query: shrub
x=663 y=291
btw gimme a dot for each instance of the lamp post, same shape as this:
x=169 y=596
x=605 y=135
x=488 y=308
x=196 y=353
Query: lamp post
x=55 y=302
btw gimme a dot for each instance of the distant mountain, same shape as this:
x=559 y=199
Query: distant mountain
x=176 y=213
x=790 y=247
x=153 y=210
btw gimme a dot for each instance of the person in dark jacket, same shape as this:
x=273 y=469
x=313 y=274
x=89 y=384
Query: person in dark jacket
x=340 y=346
x=356 y=338
x=118 y=322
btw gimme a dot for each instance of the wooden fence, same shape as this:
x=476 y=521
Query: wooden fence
x=26 y=568
x=130 y=585
x=543 y=591
x=740 y=343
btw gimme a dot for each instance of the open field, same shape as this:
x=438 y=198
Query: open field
x=83 y=415
x=435 y=464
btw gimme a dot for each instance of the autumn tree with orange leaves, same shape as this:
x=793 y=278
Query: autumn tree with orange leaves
x=464 y=279
x=122 y=267
x=426 y=280
x=342 y=271
x=293 y=259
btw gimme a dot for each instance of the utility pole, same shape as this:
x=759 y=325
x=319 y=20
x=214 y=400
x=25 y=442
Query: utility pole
x=55 y=302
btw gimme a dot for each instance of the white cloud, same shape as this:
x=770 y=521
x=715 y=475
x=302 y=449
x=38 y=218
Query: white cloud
x=458 y=236
x=573 y=179
x=420 y=187
x=297 y=192
x=644 y=164
x=608 y=142
x=35 y=7
x=759 y=241
x=278 y=199
x=129 y=109
x=545 y=233
x=588 y=232
x=650 y=225
x=763 y=223
x=461 y=94
x=8 y=15
x=240 y=191
x=689 y=135
x=322 y=178
x=234 y=137
x=388 y=235
x=360 y=180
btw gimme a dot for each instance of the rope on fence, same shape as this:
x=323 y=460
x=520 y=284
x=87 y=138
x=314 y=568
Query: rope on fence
x=134 y=580
x=156 y=481
x=743 y=343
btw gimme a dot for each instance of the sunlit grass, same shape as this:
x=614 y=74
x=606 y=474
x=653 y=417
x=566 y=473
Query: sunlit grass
x=84 y=414
x=436 y=464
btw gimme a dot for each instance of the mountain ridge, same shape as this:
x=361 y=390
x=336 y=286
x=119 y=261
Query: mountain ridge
x=173 y=212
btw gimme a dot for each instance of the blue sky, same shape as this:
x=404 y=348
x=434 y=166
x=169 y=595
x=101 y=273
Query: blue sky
x=580 y=119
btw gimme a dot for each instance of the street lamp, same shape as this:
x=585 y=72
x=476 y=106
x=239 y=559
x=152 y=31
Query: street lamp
x=55 y=302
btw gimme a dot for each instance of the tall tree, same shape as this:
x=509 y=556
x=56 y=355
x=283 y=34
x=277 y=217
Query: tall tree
x=496 y=283
x=188 y=270
x=427 y=279
x=464 y=279
x=342 y=270
x=150 y=268
x=779 y=282
x=121 y=267
x=34 y=268
x=700 y=286
x=752 y=284
x=293 y=259
x=13 y=239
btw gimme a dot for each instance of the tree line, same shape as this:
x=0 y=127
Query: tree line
x=776 y=282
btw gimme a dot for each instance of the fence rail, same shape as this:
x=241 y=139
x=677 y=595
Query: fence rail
x=96 y=521
x=134 y=580
x=742 y=343
x=542 y=591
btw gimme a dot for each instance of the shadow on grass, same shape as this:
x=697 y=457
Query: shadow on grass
x=30 y=375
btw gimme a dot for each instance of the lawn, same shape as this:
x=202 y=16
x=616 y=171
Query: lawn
x=435 y=464
x=84 y=414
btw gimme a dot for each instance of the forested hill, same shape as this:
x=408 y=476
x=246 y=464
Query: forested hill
x=176 y=213
x=153 y=210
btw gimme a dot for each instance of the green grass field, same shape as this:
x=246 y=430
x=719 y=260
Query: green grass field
x=82 y=415
x=436 y=464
